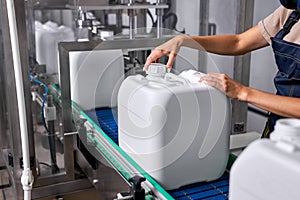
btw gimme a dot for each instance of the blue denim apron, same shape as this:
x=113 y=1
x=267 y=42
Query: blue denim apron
x=287 y=56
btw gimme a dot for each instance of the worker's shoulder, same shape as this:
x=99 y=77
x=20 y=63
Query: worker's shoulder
x=285 y=13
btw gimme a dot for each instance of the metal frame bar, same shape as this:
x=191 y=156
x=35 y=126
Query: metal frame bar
x=242 y=67
x=119 y=7
x=66 y=112
x=3 y=111
x=203 y=30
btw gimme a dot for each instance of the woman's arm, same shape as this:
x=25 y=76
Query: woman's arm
x=280 y=105
x=219 y=44
x=238 y=44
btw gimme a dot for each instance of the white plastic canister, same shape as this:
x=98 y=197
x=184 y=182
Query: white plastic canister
x=269 y=169
x=47 y=37
x=175 y=129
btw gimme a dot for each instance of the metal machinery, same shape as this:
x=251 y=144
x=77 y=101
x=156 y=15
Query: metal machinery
x=84 y=154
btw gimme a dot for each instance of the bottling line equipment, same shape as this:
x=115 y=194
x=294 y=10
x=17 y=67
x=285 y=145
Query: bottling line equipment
x=79 y=149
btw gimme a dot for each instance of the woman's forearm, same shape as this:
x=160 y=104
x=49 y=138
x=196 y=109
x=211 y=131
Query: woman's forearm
x=220 y=44
x=280 y=105
x=226 y=44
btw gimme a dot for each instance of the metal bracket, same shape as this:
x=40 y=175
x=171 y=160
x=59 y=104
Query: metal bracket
x=37 y=68
x=71 y=133
x=10 y=159
x=32 y=161
x=50 y=113
x=239 y=127
x=3 y=186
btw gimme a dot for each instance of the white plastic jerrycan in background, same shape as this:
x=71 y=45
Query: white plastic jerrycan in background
x=269 y=169
x=174 y=127
x=47 y=37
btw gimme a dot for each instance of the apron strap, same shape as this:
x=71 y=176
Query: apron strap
x=290 y=22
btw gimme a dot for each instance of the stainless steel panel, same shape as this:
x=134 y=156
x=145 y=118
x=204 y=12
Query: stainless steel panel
x=61 y=188
x=105 y=178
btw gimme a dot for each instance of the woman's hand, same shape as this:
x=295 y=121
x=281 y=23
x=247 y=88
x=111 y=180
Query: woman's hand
x=169 y=48
x=280 y=105
x=226 y=85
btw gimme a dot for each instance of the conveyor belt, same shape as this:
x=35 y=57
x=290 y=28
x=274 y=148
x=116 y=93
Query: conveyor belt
x=107 y=122
x=214 y=190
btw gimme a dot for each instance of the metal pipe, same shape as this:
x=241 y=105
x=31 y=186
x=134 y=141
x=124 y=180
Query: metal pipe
x=119 y=21
x=132 y=26
x=159 y=14
x=132 y=20
x=26 y=178
x=141 y=23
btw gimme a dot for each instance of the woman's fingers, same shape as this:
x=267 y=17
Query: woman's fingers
x=169 y=48
x=157 y=54
x=171 y=59
x=153 y=57
x=214 y=80
x=225 y=84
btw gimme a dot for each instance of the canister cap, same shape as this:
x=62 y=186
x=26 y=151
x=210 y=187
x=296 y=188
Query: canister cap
x=287 y=130
x=157 y=69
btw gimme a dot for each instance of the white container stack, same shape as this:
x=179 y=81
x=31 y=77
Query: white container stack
x=175 y=128
x=95 y=76
x=47 y=37
x=269 y=169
